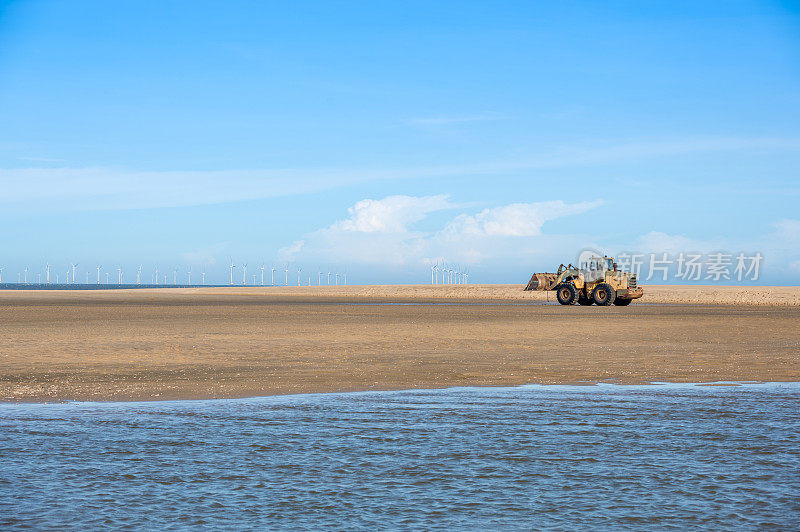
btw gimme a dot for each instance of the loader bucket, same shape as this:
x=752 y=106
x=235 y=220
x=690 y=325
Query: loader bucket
x=541 y=281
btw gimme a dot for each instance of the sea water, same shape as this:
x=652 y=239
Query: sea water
x=563 y=457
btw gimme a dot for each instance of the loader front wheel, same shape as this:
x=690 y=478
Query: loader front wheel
x=604 y=294
x=566 y=294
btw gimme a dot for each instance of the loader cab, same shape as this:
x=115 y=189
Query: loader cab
x=592 y=265
x=600 y=264
x=594 y=268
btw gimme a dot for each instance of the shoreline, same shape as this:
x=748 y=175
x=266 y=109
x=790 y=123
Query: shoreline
x=588 y=386
x=173 y=344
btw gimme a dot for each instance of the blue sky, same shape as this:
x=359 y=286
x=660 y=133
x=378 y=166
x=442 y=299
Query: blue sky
x=381 y=137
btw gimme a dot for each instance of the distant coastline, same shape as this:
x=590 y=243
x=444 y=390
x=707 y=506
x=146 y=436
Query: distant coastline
x=96 y=286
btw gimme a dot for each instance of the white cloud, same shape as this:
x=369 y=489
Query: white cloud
x=288 y=253
x=393 y=214
x=206 y=255
x=382 y=232
x=659 y=242
x=103 y=188
x=518 y=219
x=781 y=247
x=788 y=231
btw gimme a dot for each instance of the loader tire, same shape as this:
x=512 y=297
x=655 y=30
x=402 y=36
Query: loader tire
x=566 y=294
x=583 y=300
x=622 y=302
x=604 y=295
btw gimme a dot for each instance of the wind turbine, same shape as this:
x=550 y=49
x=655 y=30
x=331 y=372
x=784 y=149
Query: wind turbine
x=204 y=277
x=433 y=273
x=319 y=278
x=232 y=267
x=1 y=275
x=106 y=277
x=244 y=274
x=73 y=272
x=87 y=277
x=47 y=269
x=98 y=274
x=175 y=276
x=119 y=275
x=286 y=283
x=156 y=275
x=139 y=275
x=298 y=276
x=189 y=273
x=26 y=275
x=336 y=276
x=262 y=274
x=345 y=279
x=329 y=278
x=273 y=277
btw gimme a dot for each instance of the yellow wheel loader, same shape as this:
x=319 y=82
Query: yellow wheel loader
x=597 y=281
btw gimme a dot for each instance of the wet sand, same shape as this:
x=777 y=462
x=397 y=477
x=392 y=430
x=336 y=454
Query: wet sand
x=238 y=342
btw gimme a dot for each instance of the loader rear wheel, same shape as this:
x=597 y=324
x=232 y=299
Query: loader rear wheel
x=566 y=294
x=583 y=300
x=622 y=302
x=604 y=295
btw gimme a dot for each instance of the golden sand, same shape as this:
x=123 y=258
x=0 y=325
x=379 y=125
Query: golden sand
x=236 y=342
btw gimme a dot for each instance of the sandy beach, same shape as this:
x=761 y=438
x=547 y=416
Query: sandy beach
x=245 y=341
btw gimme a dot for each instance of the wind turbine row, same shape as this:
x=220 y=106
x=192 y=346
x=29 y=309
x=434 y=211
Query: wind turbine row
x=71 y=275
x=442 y=273
x=330 y=275
x=159 y=277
